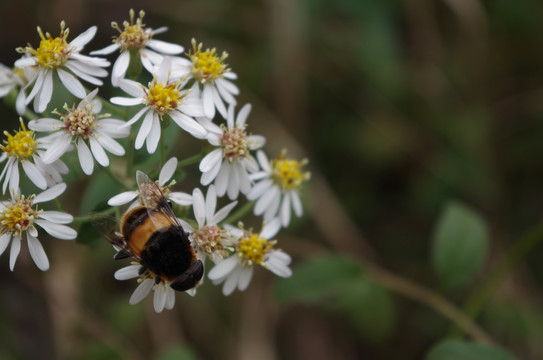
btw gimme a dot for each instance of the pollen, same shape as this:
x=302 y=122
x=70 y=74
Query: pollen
x=287 y=173
x=234 y=143
x=18 y=216
x=79 y=122
x=133 y=36
x=52 y=52
x=210 y=239
x=163 y=98
x=207 y=65
x=22 y=145
x=253 y=248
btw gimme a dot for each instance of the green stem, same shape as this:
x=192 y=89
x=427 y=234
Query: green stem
x=190 y=160
x=130 y=155
x=232 y=219
x=115 y=178
x=86 y=218
x=475 y=303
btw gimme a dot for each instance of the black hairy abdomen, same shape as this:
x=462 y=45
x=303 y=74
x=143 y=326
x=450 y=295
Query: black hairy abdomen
x=167 y=252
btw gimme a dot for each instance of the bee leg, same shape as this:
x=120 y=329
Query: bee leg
x=121 y=254
x=142 y=270
x=189 y=278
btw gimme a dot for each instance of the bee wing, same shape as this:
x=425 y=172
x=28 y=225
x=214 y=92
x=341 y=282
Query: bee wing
x=106 y=226
x=153 y=199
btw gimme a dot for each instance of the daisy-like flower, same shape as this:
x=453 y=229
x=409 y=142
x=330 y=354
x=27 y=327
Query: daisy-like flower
x=12 y=79
x=277 y=187
x=83 y=126
x=57 y=55
x=162 y=96
x=209 y=239
x=228 y=165
x=19 y=218
x=212 y=79
x=164 y=295
x=135 y=39
x=165 y=175
x=22 y=148
x=251 y=249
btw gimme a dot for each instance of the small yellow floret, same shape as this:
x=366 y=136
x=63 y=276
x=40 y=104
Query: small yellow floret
x=163 y=98
x=21 y=145
x=206 y=65
x=287 y=173
x=18 y=216
x=254 y=248
x=52 y=52
x=134 y=36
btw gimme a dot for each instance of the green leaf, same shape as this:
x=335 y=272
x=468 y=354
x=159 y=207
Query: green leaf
x=316 y=279
x=460 y=245
x=178 y=352
x=459 y=349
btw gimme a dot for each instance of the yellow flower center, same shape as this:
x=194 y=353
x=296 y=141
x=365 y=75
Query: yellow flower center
x=134 y=36
x=253 y=248
x=287 y=173
x=206 y=65
x=52 y=52
x=21 y=145
x=18 y=216
x=163 y=98
x=234 y=143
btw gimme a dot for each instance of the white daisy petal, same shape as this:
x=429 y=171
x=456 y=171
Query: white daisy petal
x=4 y=242
x=33 y=231
x=259 y=189
x=222 y=213
x=58 y=231
x=245 y=278
x=120 y=67
x=159 y=299
x=277 y=264
x=232 y=281
x=34 y=174
x=210 y=160
x=167 y=171
x=127 y=272
x=221 y=182
x=207 y=99
x=223 y=268
x=44 y=96
x=296 y=203
x=45 y=124
x=14 y=251
x=57 y=217
x=211 y=202
x=85 y=157
x=217 y=101
x=198 y=205
x=263 y=161
x=154 y=135
x=110 y=145
x=188 y=124
x=209 y=176
x=50 y=194
x=271 y=229
x=122 y=198
x=37 y=253
x=165 y=47
x=71 y=83
x=125 y=101
x=141 y=291
x=170 y=298
x=106 y=51
x=284 y=212
x=265 y=200
x=144 y=130
x=98 y=152
x=82 y=39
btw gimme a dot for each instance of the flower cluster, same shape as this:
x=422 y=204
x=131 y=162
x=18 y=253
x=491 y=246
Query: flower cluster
x=192 y=93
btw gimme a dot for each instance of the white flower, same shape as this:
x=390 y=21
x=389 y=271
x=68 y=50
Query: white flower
x=57 y=55
x=228 y=165
x=277 y=187
x=22 y=148
x=164 y=295
x=165 y=175
x=18 y=220
x=252 y=249
x=209 y=238
x=161 y=97
x=90 y=132
x=137 y=39
x=15 y=78
x=212 y=79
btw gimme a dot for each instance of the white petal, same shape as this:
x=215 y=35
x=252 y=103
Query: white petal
x=71 y=83
x=211 y=202
x=209 y=176
x=106 y=51
x=57 y=148
x=136 y=117
x=154 y=135
x=33 y=231
x=4 y=242
x=271 y=229
x=79 y=70
x=210 y=160
x=198 y=205
x=57 y=217
x=259 y=189
x=164 y=70
x=284 y=213
x=188 y=124
x=242 y=115
x=165 y=47
x=50 y=194
x=170 y=298
x=127 y=272
x=233 y=182
x=114 y=128
x=265 y=200
x=296 y=203
x=85 y=157
x=271 y=211
x=58 y=231
x=217 y=101
x=263 y=161
x=122 y=198
x=82 y=39
x=110 y=145
x=232 y=281
x=221 y=182
x=37 y=253
x=39 y=77
x=222 y=213
x=125 y=101
x=159 y=299
x=207 y=99
x=120 y=67
x=141 y=291
x=223 y=268
x=167 y=171
x=278 y=262
x=145 y=128
x=180 y=198
x=230 y=75
x=14 y=252
x=34 y=174
x=45 y=124
x=245 y=278
x=44 y=97
x=98 y=152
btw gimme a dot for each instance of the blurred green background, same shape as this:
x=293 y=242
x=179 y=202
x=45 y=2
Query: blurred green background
x=400 y=107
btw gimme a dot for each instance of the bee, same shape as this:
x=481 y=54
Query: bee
x=152 y=235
